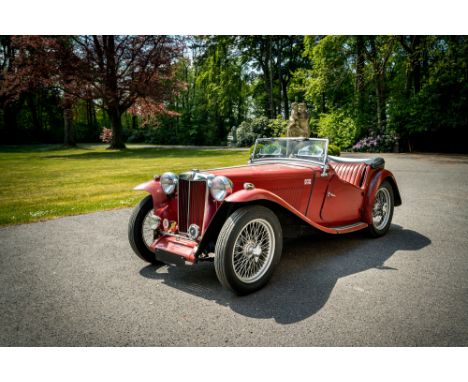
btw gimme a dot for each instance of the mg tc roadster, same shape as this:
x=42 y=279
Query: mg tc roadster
x=238 y=216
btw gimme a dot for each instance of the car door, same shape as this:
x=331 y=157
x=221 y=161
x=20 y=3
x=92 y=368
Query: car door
x=342 y=202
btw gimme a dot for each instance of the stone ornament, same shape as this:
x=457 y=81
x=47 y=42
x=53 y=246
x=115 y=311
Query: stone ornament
x=298 y=121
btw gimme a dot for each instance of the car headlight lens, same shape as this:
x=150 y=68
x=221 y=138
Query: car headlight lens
x=220 y=188
x=169 y=182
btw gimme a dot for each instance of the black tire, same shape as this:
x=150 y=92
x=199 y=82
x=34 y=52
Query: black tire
x=135 y=229
x=230 y=231
x=375 y=231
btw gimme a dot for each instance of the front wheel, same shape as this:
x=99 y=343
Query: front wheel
x=382 y=211
x=140 y=230
x=248 y=248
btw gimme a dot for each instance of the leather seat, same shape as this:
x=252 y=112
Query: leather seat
x=350 y=172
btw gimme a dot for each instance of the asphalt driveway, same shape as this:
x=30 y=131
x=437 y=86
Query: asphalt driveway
x=75 y=282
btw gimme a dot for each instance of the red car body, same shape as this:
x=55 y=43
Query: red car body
x=336 y=197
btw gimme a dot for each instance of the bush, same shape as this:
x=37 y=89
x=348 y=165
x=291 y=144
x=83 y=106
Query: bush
x=333 y=150
x=377 y=144
x=340 y=129
x=278 y=126
x=106 y=135
x=259 y=146
x=262 y=127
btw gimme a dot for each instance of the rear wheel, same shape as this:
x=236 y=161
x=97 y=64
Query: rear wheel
x=382 y=211
x=141 y=232
x=248 y=249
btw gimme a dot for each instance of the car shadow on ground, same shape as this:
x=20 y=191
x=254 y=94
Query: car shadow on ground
x=303 y=281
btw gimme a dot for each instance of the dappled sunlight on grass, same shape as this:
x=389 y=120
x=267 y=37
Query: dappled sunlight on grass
x=40 y=182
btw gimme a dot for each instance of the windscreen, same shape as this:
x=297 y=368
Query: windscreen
x=291 y=148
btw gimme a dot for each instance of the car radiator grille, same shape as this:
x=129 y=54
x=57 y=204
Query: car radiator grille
x=191 y=207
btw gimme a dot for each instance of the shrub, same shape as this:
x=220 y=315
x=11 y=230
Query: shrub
x=106 y=135
x=278 y=126
x=377 y=144
x=259 y=146
x=262 y=127
x=333 y=150
x=340 y=129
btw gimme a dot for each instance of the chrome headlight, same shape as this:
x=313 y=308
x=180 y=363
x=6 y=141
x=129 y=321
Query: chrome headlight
x=169 y=182
x=220 y=187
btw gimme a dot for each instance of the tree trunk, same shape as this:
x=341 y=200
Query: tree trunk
x=91 y=115
x=37 y=128
x=269 y=79
x=284 y=86
x=69 y=131
x=115 y=117
x=360 y=97
x=381 y=102
x=10 y=123
x=323 y=107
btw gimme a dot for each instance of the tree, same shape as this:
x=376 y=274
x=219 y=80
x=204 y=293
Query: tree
x=378 y=51
x=7 y=88
x=45 y=63
x=128 y=71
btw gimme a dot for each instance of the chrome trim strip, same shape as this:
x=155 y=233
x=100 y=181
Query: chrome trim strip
x=177 y=235
x=345 y=227
x=194 y=176
x=207 y=191
x=277 y=160
x=294 y=139
x=178 y=205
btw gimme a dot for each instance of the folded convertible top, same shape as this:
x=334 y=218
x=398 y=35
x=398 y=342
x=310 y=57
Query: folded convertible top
x=374 y=162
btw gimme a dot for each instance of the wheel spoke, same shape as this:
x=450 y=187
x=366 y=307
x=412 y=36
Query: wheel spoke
x=253 y=250
x=381 y=209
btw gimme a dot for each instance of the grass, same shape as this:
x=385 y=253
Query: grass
x=43 y=182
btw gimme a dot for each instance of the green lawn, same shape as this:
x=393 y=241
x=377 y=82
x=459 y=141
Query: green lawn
x=42 y=182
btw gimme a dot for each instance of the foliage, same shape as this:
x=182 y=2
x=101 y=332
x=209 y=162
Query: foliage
x=377 y=144
x=261 y=127
x=252 y=148
x=338 y=128
x=195 y=89
x=106 y=135
x=333 y=150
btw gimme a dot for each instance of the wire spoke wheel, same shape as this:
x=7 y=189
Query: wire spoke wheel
x=248 y=249
x=147 y=229
x=381 y=210
x=253 y=250
x=141 y=230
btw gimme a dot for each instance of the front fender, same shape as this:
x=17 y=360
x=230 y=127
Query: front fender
x=154 y=188
x=377 y=180
x=256 y=194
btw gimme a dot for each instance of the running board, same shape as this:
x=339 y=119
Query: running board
x=349 y=228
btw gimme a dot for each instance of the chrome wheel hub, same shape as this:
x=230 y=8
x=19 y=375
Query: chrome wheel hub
x=380 y=212
x=253 y=250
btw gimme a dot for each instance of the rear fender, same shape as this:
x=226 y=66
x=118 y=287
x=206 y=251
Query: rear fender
x=377 y=180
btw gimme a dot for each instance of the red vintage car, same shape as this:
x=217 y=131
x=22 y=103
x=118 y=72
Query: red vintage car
x=238 y=216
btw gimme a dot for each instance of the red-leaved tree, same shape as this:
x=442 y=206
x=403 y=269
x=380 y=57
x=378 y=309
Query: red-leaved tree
x=46 y=62
x=126 y=72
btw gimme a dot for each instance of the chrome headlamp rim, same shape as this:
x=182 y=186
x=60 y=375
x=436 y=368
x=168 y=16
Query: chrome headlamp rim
x=169 y=182
x=220 y=187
